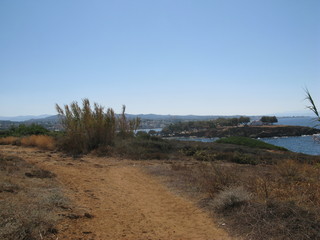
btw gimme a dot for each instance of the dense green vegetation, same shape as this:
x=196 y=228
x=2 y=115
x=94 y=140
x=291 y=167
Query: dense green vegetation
x=249 y=142
x=269 y=120
x=25 y=130
x=143 y=146
x=204 y=125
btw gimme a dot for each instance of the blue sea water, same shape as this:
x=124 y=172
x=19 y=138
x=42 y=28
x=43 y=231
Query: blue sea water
x=303 y=144
x=298 y=121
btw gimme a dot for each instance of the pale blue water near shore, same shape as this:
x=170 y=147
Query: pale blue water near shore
x=298 y=121
x=303 y=144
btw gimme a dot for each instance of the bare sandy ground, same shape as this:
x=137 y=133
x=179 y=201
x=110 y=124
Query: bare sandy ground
x=116 y=199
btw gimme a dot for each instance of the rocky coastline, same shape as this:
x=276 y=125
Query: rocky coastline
x=250 y=131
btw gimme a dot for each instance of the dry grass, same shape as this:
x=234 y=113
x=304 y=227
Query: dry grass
x=9 y=140
x=290 y=181
x=231 y=197
x=39 y=141
x=280 y=201
x=28 y=205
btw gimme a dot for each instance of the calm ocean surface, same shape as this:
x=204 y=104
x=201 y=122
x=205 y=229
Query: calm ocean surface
x=303 y=144
x=298 y=121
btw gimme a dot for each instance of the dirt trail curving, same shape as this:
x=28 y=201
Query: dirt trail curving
x=117 y=200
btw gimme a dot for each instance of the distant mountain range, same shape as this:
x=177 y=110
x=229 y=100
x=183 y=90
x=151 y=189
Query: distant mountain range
x=24 y=118
x=53 y=118
x=148 y=121
x=171 y=117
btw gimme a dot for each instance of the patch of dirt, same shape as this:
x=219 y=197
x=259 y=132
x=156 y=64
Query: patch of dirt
x=116 y=199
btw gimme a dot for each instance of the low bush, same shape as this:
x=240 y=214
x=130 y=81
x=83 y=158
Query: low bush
x=213 y=152
x=243 y=158
x=25 y=130
x=249 y=142
x=143 y=147
x=273 y=220
x=39 y=173
x=231 y=197
x=203 y=155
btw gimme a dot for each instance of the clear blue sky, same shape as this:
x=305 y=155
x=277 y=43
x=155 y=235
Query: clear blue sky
x=203 y=57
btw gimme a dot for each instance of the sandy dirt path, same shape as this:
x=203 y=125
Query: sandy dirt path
x=116 y=199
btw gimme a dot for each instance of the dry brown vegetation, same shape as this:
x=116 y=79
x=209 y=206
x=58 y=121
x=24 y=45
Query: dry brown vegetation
x=10 y=140
x=89 y=128
x=30 y=199
x=254 y=193
x=279 y=201
x=40 y=141
x=114 y=199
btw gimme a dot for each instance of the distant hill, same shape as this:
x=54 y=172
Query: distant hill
x=52 y=118
x=23 y=118
x=44 y=118
x=47 y=121
x=148 y=121
x=177 y=117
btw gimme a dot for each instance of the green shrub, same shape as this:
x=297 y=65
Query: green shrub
x=25 y=130
x=144 y=146
x=249 y=142
x=243 y=158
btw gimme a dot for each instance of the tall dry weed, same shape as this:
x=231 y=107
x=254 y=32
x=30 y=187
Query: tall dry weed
x=126 y=127
x=86 y=129
x=90 y=128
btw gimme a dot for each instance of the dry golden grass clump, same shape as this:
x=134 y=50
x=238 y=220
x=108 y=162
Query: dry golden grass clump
x=39 y=141
x=9 y=140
